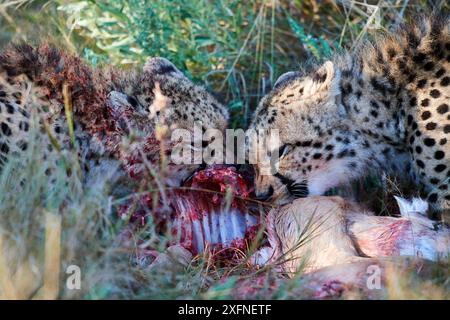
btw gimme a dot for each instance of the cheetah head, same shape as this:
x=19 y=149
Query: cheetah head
x=314 y=150
x=161 y=100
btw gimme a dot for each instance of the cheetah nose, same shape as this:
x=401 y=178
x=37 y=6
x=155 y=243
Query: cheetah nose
x=265 y=196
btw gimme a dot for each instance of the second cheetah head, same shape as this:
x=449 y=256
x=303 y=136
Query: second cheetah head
x=316 y=149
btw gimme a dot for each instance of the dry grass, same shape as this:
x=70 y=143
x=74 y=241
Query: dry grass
x=46 y=227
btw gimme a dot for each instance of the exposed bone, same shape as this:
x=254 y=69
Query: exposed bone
x=206 y=219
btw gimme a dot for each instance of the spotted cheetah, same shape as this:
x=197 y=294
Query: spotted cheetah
x=384 y=107
x=109 y=106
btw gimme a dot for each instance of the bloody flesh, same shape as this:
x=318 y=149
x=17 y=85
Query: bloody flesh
x=212 y=211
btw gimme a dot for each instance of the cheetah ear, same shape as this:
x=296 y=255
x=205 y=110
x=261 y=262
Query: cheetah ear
x=325 y=80
x=285 y=77
x=157 y=65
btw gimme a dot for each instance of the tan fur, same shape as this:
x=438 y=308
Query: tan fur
x=317 y=232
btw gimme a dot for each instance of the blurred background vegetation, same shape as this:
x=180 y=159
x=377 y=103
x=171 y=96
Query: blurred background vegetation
x=237 y=48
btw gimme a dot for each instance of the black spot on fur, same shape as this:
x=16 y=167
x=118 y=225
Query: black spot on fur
x=23 y=126
x=425 y=102
x=386 y=103
x=306 y=143
x=6 y=129
x=411 y=77
x=419 y=58
x=420 y=163
x=342 y=154
x=391 y=53
x=438 y=155
x=445 y=81
x=22 y=145
x=426 y=115
x=377 y=85
x=374 y=105
x=440 y=73
x=440 y=167
x=409 y=119
x=434 y=180
x=4 y=148
x=435 y=93
x=443 y=108
x=24 y=113
x=431 y=125
x=346 y=89
x=421 y=83
x=9 y=108
x=429 y=142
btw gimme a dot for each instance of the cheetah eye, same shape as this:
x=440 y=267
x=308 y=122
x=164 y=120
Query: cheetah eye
x=284 y=150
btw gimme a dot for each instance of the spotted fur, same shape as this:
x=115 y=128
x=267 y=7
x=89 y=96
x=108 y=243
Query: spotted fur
x=383 y=107
x=108 y=105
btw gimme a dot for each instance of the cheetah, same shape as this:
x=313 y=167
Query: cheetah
x=108 y=106
x=384 y=107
